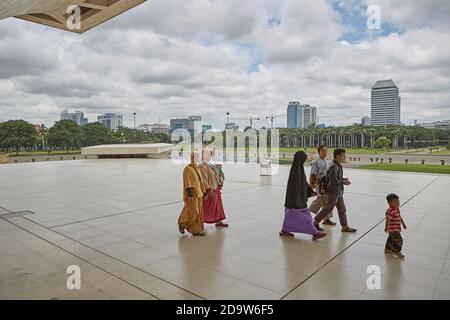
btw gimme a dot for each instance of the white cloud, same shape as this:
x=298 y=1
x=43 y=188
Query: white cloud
x=49 y=107
x=178 y=58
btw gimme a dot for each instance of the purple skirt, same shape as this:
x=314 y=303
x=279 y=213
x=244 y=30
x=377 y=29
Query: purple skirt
x=298 y=220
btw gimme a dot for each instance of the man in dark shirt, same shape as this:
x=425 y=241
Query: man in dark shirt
x=335 y=192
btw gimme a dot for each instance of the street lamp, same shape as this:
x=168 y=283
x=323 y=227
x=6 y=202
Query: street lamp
x=134 y=115
x=385 y=117
x=42 y=136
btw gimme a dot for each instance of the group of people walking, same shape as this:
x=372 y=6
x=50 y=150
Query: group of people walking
x=202 y=195
x=327 y=183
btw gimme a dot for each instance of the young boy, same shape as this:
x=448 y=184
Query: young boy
x=393 y=226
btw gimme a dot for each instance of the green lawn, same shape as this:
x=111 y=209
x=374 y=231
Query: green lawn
x=349 y=150
x=330 y=150
x=441 y=153
x=285 y=161
x=426 y=168
x=43 y=153
x=427 y=151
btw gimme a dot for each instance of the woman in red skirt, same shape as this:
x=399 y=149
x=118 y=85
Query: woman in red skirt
x=213 y=179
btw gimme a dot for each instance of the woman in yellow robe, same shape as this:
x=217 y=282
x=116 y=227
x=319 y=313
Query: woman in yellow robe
x=191 y=218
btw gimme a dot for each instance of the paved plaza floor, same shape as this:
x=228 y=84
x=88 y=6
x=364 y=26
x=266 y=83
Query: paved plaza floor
x=117 y=220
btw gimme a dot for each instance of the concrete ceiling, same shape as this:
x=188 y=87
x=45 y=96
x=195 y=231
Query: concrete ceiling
x=55 y=13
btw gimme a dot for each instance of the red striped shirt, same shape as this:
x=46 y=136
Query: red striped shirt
x=395 y=220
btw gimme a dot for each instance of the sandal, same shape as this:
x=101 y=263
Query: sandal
x=286 y=234
x=329 y=222
x=348 y=229
x=319 y=236
x=318 y=227
x=221 y=224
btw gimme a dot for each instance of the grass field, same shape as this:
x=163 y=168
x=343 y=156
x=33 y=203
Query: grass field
x=43 y=153
x=427 y=168
x=349 y=150
x=285 y=161
x=330 y=150
x=442 y=153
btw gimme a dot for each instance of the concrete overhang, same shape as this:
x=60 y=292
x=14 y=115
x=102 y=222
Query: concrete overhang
x=56 y=13
x=150 y=150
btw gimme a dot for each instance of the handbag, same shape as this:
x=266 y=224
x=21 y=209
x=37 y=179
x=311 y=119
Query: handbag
x=323 y=183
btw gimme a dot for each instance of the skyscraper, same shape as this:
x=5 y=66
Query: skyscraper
x=445 y=125
x=184 y=123
x=300 y=115
x=385 y=103
x=111 y=120
x=366 y=121
x=231 y=125
x=77 y=117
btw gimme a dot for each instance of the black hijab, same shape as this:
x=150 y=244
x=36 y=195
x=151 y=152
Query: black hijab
x=297 y=190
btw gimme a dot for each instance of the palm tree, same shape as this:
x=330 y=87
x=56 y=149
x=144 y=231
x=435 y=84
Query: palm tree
x=362 y=132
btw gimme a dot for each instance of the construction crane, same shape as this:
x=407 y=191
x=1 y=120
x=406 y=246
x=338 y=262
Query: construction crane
x=250 y=118
x=272 y=118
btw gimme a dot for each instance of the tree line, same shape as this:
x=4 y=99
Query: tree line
x=19 y=135
x=358 y=136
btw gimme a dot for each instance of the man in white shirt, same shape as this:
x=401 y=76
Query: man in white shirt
x=318 y=171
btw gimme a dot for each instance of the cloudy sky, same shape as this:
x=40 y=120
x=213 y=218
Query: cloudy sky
x=174 y=58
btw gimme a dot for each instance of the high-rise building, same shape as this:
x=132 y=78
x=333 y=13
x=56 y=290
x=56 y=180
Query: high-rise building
x=300 y=115
x=206 y=127
x=160 y=128
x=77 y=116
x=144 y=127
x=366 y=121
x=385 y=103
x=184 y=123
x=444 y=125
x=231 y=126
x=111 y=121
x=154 y=128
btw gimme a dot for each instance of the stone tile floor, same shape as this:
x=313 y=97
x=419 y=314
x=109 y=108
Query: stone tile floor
x=117 y=220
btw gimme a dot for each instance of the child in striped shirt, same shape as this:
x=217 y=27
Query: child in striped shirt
x=393 y=226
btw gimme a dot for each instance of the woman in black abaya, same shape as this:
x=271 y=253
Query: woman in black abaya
x=297 y=217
